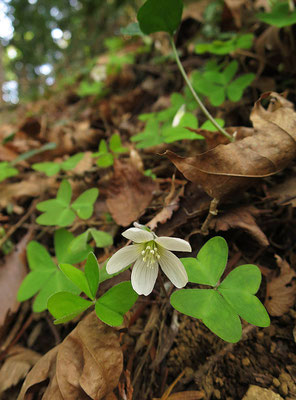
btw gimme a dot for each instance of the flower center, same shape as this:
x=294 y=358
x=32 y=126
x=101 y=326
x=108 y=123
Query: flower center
x=150 y=253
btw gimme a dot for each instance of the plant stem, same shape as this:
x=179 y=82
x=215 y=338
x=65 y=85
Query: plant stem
x=196 y=97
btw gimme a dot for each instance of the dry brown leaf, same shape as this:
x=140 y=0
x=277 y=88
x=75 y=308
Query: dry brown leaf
x=235 y=7
x=12 y=272
x=86 y=365
x=196 y=10
x=285 y=192
x=16 y=366
x=241 y=217
x=281 y=290
x=228 y=168
x=31 y=186
x=171 y=204
x=129 y=193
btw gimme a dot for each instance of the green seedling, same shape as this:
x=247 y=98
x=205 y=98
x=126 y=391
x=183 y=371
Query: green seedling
x=218 y=85
x=106 y=157
x=101 y=238
x=53 y=168
x=60 y=212
x=282 y=14
x=223 y=47
x=220 y=308
x=7 y=171
x=110 y=307
x=87 y=88
x=45 y=278
x=165 y=16
x=169 y=125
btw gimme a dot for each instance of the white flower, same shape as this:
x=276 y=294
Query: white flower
x=149 y=251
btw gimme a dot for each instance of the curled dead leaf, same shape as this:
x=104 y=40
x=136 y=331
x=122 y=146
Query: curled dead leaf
x=16 y=366
x=281 y=290
x=228 y=168
x=244 y=218
x=86 y=365
x=12 y=272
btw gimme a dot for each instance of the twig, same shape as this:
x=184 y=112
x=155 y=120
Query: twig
x=13 y=228
x=213 y=211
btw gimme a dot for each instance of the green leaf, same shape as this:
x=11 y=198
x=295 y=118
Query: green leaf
x=49 y=168
x=115 y=144
x=149 y=137
x=236 y=88
x=83 y=205
x=217 y=96
x=92 y=274
x=208 y=266
x=102 y=239
x=65 y=306
x=132 y=29
x=77 y=277
x=59 y=216
x=105 y=160
x=212 y=309
x=32 y=283
x=64 y=193
x=238 y=289
x=38 y=257
x=208 y=125
x=103 y=148
x=72 y=161
x=79 y=244
x=44 y=278
x=280 y=16
x=230 y=71
x=7 y=171
x=62 y=240
x=160 y=16
x=111 y=307
x=180 y=132
x=57 y=282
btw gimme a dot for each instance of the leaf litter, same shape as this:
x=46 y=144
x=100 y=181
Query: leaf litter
x=223 y=171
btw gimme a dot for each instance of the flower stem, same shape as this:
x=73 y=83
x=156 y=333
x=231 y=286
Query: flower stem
x=196 y=97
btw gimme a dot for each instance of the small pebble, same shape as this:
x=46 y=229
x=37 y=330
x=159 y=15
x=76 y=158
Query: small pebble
x=284 y=388
x=246 y=362
x=276 y=382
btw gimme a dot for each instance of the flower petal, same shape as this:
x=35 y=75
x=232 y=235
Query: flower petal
x=144 y=277
x=138 y=235
x=173 y=268
x=122 y=258
x=174 y=244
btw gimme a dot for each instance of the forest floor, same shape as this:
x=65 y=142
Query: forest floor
x=167 y=355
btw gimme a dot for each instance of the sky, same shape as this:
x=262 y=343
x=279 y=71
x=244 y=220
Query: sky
x=6 y=28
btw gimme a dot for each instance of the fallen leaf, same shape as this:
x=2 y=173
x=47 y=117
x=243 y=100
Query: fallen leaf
x=241 y=217
x=129 y=193
x=285 y=192
x=31 y=186
x=228 y=168
x=12 y=272
x=235 y=7
x=16 y=366
x=281 y=290
x=86 y=365
x=171 y=204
